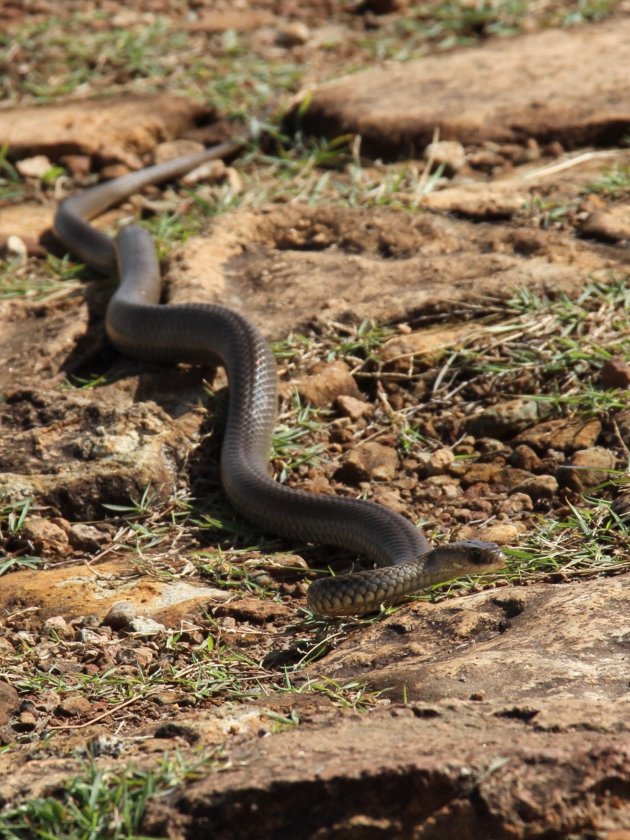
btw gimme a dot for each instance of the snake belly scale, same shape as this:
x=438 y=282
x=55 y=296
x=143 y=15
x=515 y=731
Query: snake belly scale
x=139 y=326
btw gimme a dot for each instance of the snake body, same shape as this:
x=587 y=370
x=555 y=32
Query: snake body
x=139 y=326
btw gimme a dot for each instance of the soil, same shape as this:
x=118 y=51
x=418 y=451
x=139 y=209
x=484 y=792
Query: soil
x=498 y=709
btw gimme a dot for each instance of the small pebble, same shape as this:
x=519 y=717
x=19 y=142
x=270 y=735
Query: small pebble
x=447 y=153
x=33 y=167
x=352 y=407
x=74 y=705
x=120 y=615
x=538 y=487
x=57 y=625
x=27 y=721
x=15 y=248
x=615 y=374
x=145 y=626
x=293 y=34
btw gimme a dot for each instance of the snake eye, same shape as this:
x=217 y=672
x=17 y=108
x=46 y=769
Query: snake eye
x=475 y=555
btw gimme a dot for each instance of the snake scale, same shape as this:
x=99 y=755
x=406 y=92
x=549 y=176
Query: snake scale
x=140 y=326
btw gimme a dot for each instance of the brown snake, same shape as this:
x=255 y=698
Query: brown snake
x=138 y=325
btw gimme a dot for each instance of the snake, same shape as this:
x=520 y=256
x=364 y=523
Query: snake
x=140 y=326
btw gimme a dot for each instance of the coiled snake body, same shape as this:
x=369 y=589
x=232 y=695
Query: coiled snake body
x=138 y=325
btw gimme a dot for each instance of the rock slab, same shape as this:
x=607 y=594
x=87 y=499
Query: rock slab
x=116 y=129
x=512 y=722
x=562 y=85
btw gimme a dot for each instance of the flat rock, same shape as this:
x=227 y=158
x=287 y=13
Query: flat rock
x=575 y=92
x=116 y=129
x=514 y=644
x=396 y=775
x=513 y=690
x=94 y=590
x=428 y=344
x=567 y=435
x=504 y=418
x=285 y=266
x=77 y=451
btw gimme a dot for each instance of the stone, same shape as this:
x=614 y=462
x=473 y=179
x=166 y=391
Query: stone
x=293 y=34
x=141 y=626
x=79 y=166
x=114 y=170
x=327 y=382
x=44 y=536
x=611 y=225
x=16 y=249
x=391 y=500
x=279 y=565
x=352 y=407
x=171 y=149
x=504 y=419
x=474 y=473
x=524 y=458
x=104 y=449
x=120 y=615
x=427 y=344
x=587 y=468
x=501 y=533
x=241 y=20
x=438 y=462
x=538 y=487
x=106 y=745
x=517 y=503
x=478 y=200
x=566 y=435
x=83 y=591
x=615 y=373
x=74 y=705
x=86 y=537
x=26 y=722
x=369 y=461
x=446 y=153
x=34 y=167
x=28 y=223
x=57 y=626
x=210 y=172
x=141 y=656
x=284 y=266
x=511 y=477
x=9 y=702
x=253 y=610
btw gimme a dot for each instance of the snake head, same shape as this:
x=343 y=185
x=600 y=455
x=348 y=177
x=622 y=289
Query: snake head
x=468 y=557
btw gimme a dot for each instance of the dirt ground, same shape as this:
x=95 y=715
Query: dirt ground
x=431 y=226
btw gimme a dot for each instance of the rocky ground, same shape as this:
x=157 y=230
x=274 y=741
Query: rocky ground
x=431 y=227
